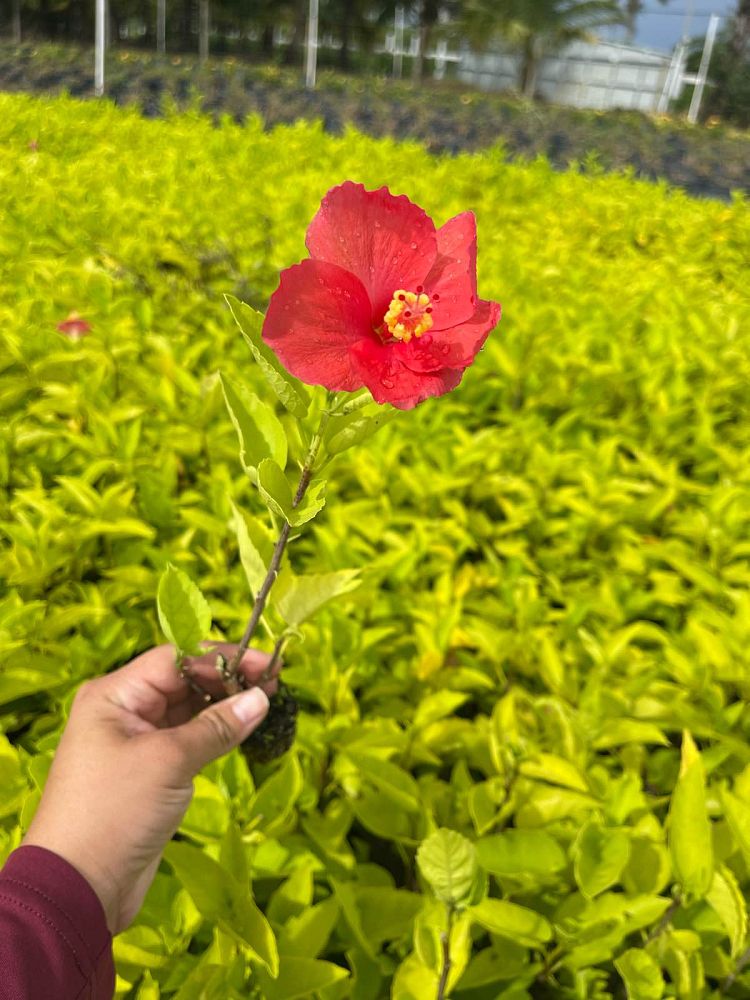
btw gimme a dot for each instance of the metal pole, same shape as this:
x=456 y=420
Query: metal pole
x=161 y=25
x=311 y=62
x=398 y=42
x=99 y=27
x=700 y=84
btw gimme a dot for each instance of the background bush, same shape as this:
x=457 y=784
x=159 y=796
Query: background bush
x=555 y=561
x=445 y=117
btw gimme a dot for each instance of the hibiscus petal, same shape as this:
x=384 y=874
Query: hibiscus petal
x=386 y=240
x=315 y=317
x=390 y=381
x=452 y=281
x=454 y=348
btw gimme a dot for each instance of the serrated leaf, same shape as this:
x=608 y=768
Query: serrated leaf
x=641 y=975
x=448 y=863
x=275 y=489
x=726 y=899
x=251 y=559
x=518 y=923
x=311 y=503
x=184 y=614
x=690 y=840
x=289 y=390
x=297 y=598
x=259 y=430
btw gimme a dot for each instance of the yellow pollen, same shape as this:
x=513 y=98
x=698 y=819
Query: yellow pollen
x=407 y=315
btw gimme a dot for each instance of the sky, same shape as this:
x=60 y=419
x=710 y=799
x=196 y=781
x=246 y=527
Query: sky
x=660 y=26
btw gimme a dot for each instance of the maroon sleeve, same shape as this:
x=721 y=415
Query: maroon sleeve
x=54 y=940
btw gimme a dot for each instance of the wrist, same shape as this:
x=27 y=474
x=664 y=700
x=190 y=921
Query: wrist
x=101 y=882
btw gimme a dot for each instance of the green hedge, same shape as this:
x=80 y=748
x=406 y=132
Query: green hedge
x=556 y=590
x=448 y=117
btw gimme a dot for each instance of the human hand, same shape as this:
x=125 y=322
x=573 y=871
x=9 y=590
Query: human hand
x=122 y=777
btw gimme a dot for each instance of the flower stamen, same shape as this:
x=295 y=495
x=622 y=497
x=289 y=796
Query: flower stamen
x=408 y=314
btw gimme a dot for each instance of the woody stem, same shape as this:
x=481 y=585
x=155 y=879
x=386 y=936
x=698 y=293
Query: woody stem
x=273 y=568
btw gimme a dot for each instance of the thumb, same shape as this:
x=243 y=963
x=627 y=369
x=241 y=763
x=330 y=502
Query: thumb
x=220 y=728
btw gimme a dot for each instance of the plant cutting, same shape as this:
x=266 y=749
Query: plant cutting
x=383 y=313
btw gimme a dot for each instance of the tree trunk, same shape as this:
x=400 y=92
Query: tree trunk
x=161 y=26
x=740 y=40
x=16 y=22
x=529 y=67
x=186 y=23
x=266 y=41
x=346 y=27
x=203 y=17
x=632 y=10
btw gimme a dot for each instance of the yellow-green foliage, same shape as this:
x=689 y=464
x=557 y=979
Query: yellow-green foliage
x=555 y=561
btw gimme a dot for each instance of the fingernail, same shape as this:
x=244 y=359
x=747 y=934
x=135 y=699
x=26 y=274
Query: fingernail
x=250 y=705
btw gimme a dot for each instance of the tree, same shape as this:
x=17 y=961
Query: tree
x=728 y=93
x=632 y=9
x=535 y=27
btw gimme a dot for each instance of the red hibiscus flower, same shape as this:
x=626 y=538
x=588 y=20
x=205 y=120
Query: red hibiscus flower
x=74 y=327
x=385 y=300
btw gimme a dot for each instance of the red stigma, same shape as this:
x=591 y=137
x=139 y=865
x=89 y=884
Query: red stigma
x=402 y=298
x=436 y=296
x=420 y=288
x=407 y=312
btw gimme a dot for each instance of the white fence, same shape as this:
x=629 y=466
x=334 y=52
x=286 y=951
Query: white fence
x=586 y=75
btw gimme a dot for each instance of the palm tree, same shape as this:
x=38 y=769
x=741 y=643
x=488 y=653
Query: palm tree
x=536 y=27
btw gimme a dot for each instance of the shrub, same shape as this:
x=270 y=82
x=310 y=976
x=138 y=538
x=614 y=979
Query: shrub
x=553 y=622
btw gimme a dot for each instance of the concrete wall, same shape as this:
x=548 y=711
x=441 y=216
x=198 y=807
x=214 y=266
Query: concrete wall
x=586 y=75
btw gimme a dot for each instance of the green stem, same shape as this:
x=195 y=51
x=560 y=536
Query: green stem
x=445 y=937
x=273 y=568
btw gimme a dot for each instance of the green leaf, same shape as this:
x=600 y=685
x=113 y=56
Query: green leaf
x=599 y=857
x=355 y=428
x=209 y=885
x=277 y=795
x=300 y=977
x=512 y=921
x=221 y=898
x=311 y=503
x=307 y=934
x=387 y=914
x=690 y=839
x=449 y=865
x=275 y=489
x=259 y=430
x=297 y=598
x=521 y=853
x=291 y=392
x=392 y=780
x=641 y=975
x=727 y=900
x=251 y=559
x=737 y=815
x=184 y=614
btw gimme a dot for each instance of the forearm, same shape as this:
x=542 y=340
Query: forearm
x=54 y=940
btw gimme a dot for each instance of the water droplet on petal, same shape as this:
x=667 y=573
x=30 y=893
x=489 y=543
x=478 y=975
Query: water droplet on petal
x=387 y=383
x=426 y=339
x=413 y=246
x=445 y=349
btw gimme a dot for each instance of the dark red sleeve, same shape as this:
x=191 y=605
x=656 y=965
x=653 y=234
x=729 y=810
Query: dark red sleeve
x=54 y=940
